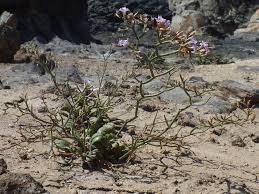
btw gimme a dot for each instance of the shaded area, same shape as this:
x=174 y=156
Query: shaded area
x=50 y=18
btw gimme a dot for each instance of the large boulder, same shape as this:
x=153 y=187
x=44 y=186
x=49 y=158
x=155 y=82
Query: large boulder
x=222 y=16
x=9 y=37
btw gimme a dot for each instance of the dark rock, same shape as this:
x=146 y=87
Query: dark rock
x=11 y=183
x=237 y=141
x=9 y=37
x=218 y=131
x=149 y=107
x=4 y=87
x=247 y=91
x=255 y=137
x=50 y=18
x=187 y=119
x=3 y=166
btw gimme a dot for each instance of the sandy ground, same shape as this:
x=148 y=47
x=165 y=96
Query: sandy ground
x=215 y=167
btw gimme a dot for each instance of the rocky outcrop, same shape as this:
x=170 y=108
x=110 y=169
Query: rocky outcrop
x=221 y=17
x=9 y=37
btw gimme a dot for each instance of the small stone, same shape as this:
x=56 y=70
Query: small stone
x=7 y=87
x=42 y=109
x=23 y=155
x=149 y=107
x=153 y=168
x=237 y=141
x=30 y=150
x=132 y=132
x=3 y=166
x=255 y=137
x=218 y=131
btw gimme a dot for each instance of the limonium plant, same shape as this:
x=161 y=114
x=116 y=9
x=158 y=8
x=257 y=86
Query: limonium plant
x=177 y=43
x=80 y=127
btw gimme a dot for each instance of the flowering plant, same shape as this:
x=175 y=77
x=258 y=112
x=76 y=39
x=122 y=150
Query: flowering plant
x=186 y=44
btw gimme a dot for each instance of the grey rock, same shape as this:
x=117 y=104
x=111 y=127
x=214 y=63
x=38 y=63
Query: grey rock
x=249 y=69
x=216 y=105
x=197 y=82
x=222 y=17
x=177 y=96
x=154 y=86
x=20 y=184
x=247 y=91
x=8 y=19
x=188 y=21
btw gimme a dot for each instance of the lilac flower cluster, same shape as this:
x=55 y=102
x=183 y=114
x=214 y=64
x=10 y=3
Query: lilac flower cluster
x=123 y=43
x=162 y=22
x=199 y=46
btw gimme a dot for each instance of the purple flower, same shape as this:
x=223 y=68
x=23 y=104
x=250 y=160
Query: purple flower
x=204 y=45
x=124 y=10
x=194 y=45
x=162 y=22
x=87 y=81
x=123 y=43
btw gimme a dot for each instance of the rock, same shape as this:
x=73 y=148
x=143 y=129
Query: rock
x=3 y=166
x=197 y=83
x=215 y=105
x=8 y=19
x=188 y=21
x=21 y=56
x=221 y=17
x=251 y=29
x=237 y=141
x=177 y=96
x=20 y=184
x=187 y=119
x=247 y=91
x=154 y=86
x=4 y=87
x=255 y=137
x=218 y=131
x=249 y=69
x=149 y=106
x=9 y=37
